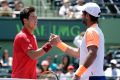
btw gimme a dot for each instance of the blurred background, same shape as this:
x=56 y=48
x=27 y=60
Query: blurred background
x=61 y=17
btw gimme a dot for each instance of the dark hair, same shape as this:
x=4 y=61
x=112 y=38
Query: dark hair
x=65 y=65
x=18 y=3
x=25 y=13
x=93 y=18
x=42 y=70
x=3 y=55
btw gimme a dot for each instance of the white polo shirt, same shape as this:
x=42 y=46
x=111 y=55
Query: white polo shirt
x=93 y=36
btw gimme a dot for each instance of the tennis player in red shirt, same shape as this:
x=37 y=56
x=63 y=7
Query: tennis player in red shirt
x=25 y=50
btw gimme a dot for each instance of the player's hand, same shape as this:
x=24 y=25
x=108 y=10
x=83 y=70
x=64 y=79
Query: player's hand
x=54 y=39
x=75 y=77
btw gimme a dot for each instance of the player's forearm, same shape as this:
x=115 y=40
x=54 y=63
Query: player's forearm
x=74 y=52
x=90 y=59
x=34 y=54
x=92 y=54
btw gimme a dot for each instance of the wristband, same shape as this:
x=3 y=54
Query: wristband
x=80 y=70
x=62 y=46
x=46 y=47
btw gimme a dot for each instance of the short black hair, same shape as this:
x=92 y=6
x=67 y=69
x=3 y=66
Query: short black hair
x=25 y=13
x=93 y=18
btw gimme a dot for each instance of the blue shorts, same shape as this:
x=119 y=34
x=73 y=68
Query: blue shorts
x=97 y=78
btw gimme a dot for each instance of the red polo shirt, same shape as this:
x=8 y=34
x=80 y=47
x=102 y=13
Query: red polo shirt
x=23 y=66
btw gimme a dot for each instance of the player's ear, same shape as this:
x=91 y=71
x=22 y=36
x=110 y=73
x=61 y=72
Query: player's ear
x=87 y=15
x=25 y=21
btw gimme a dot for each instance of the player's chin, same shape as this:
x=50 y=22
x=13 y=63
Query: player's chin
x=84 y=22
x=33 y=27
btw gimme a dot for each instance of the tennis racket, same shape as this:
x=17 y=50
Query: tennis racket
x=48 y=75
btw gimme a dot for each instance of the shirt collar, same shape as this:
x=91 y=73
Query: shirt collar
x=27 y=32
x=94 y=25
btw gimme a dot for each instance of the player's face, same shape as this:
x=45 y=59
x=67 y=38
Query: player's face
x=65 y=60
x=67 y=4
x=84 y=20
x=32 y=20
x=45 y=67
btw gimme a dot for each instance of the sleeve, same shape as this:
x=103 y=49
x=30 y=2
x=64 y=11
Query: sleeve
x=25 y=44
x=92 y=38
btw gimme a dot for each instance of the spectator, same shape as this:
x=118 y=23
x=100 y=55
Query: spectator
x=12 y=3
x=5 y=10
x=0 y=47
x=18 y=7
x=44 y=66
x=113 y=71
x=65 y=63
x=70 y=72
x=6 y=61
x=78 y=9
x=108 y=58
x=53 y=66
x=52 y=60
x=0 y=65
x=62 y=76
x=66 y=10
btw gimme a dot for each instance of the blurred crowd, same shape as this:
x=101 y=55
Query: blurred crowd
x=67 y=10
x=10 y=8
x=74 y=11
x=65 y=70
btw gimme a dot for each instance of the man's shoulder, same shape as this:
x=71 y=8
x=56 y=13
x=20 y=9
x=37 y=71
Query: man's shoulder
x=90 y=29
x=21 y=35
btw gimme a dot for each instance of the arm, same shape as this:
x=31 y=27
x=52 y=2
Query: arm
x=74 y=52
x=92 y=54
x=27 y=47
x=55 y=40
x=92 y=43
x=34 y=54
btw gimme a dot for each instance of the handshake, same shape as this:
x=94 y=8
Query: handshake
x=54 y=39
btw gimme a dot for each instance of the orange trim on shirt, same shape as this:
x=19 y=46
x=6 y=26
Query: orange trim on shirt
x=92 y=38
